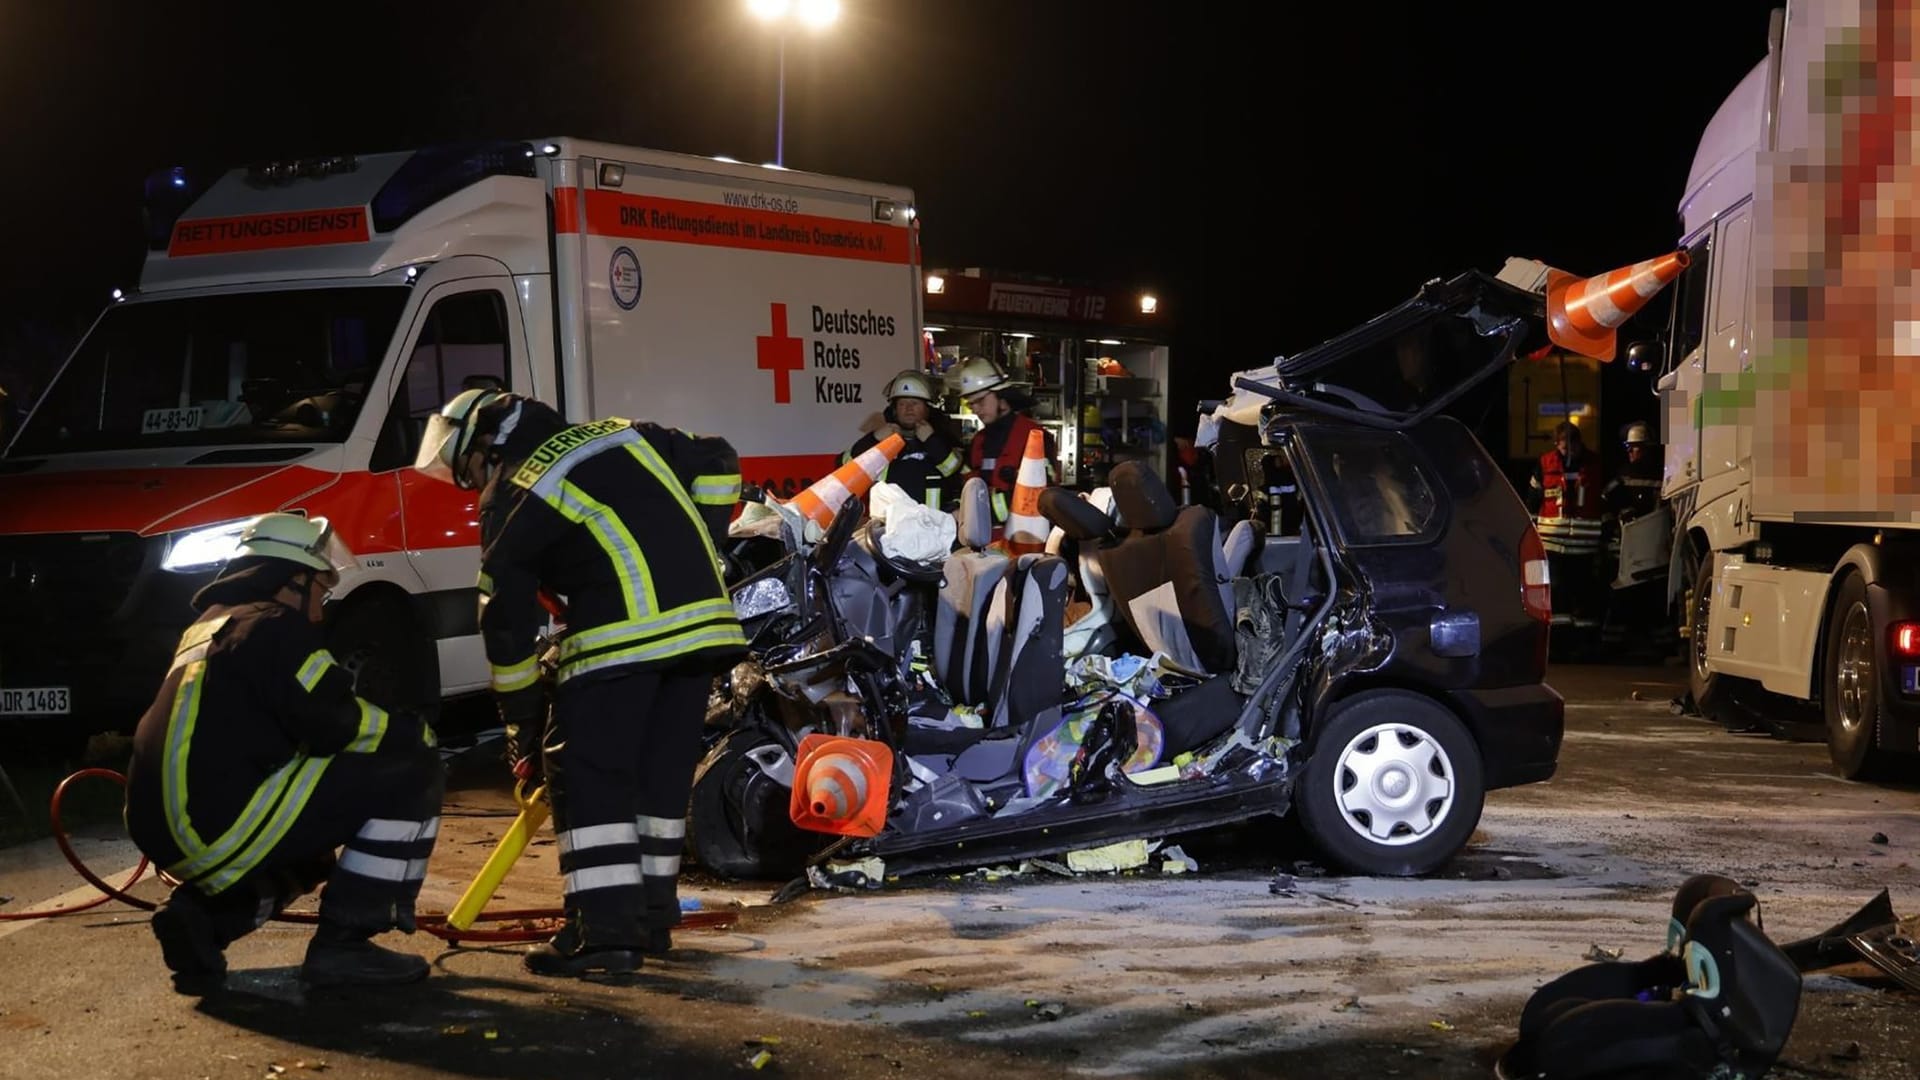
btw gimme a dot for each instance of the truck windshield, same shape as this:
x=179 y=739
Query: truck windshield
x=218 y=371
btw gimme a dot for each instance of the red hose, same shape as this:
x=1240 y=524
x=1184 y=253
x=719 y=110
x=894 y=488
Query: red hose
x=107 y=892
x=536 y=924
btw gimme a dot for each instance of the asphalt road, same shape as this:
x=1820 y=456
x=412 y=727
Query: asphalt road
x=1225 y=972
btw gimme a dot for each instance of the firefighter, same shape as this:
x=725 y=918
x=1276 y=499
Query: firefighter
x=256 y=760
x=1636 y=491
x=1001 y=442
x=619 y=519
x=927 y=467
x=1566 y=488
x=1636 y=614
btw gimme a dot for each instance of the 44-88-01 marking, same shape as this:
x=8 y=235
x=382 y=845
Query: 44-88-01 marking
x=39 y=701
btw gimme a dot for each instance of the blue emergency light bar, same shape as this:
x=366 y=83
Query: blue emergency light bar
x=437 y=172
x=428 y=176
x=168 y=194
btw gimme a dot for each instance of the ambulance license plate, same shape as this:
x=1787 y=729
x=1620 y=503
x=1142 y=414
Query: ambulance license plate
x=41 y=701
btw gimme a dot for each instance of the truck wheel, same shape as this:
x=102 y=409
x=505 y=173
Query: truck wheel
x=1393 y=785
x=1706 y=687
x=738 y=819
x=1851 y=686
x=397 y=666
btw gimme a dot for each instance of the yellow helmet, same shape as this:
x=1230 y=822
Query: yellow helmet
x=450 y=433
x=910 y=384
x=977 y=375
x=296 y=539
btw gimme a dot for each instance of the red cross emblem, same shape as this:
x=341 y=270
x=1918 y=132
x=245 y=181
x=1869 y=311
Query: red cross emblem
x=781 y=355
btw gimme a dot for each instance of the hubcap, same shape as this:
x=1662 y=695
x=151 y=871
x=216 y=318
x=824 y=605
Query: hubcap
x=1394 y=784
x=1854 y=676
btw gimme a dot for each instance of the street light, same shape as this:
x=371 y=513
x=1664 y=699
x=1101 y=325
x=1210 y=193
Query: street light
x=814 y=15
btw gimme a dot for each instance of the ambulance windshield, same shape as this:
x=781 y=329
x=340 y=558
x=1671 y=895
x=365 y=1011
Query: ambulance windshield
x=255 y=367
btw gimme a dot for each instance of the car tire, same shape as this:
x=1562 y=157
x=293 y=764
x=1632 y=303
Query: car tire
x=1850 y=686
x=738 y=818
x=392 y=662
x=1367 y=756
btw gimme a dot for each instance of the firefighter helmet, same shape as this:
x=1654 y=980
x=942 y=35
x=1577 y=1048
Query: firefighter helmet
x=977 y=375
x=451 y=431
x=910 y=384
x=293 y=538
x=1637 y=434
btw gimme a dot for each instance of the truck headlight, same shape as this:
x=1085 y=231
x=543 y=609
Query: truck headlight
x=201 y=548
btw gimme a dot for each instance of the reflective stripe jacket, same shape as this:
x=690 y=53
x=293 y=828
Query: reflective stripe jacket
x=922 y=469
x=619 y=520
x=995 y=455
x=1569 y=516
x=245 y=724
x=1636 y=491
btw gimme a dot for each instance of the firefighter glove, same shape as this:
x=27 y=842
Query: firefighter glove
x=524 y=715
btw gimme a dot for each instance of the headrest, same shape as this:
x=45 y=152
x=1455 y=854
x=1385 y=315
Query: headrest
x=1077 y=517
x=1698 y=888
x=973 y=518
x=1141 y=496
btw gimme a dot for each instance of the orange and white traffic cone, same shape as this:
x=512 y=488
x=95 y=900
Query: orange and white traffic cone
x=823 y=499
x=1026 y=529
x=1584 y=313
x=841 y=785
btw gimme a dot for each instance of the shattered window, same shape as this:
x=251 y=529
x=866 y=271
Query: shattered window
x=1379 y=492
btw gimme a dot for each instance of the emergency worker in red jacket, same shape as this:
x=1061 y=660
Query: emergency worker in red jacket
x=996 y=450
x=1565 y=489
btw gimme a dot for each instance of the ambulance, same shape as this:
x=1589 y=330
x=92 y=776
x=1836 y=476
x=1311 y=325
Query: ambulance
x=296 y=322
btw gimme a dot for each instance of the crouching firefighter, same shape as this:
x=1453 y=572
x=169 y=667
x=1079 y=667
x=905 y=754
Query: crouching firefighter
x=619 y=519
x=257 y=760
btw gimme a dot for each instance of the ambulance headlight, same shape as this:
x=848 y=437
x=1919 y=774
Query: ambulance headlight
x=757 y=598
x=200 y=549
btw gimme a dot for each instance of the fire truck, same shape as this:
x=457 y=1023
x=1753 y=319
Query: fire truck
x=295 y=323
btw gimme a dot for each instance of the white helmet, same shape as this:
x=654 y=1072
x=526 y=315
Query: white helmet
x=450 y=433
x=977 y=375
x=910 y=384
x=293 y=538
x=1637 y=434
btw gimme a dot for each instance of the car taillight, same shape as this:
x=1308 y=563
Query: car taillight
x=1536 y=587
x=1906 y=639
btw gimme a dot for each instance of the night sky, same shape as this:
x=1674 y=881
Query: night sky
x=1277 y=172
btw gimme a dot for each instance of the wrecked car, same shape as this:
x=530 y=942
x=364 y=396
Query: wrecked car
x=1365 y=648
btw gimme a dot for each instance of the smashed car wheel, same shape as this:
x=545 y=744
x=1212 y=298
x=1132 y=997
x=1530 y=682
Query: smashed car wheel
x=738 y=824
x=1393 y=785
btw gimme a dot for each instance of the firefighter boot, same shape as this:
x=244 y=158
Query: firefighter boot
x=570 y=955
x=342 y=956
x=189 y=943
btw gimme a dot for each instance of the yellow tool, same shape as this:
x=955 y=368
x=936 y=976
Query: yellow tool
x=533 y=813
